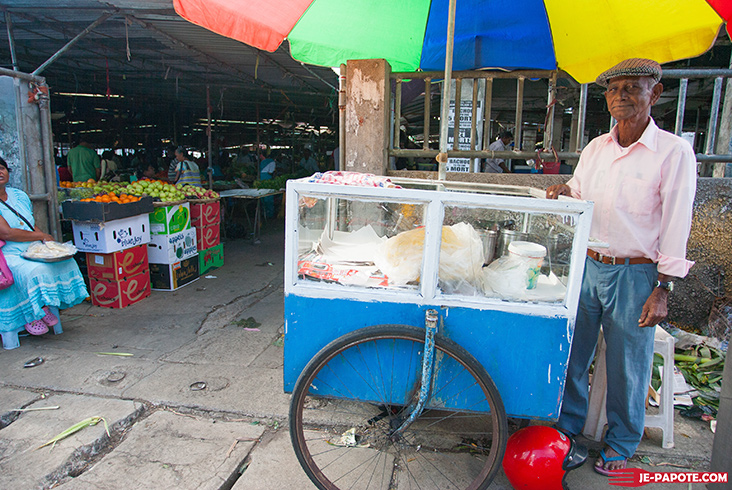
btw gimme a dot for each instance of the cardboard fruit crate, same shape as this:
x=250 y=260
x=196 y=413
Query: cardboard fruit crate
x=205 y=212
x=169 y=277
x=211 y=258
x=168 y=219
x=169 y=249
x=105 y=211
x=121 y=293
x=117 y=265
x=208 y=236
x=111 y=236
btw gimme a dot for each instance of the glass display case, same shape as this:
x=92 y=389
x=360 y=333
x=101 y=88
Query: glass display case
x=497 y=243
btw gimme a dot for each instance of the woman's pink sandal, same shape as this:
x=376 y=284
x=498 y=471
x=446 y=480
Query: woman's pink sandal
x=50 y=319
x=36 y=327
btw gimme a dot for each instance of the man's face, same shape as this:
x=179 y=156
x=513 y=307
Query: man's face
x=507 y=140
x=632 y=97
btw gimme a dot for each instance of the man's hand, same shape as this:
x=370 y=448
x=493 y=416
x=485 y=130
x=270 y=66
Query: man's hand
x=654 y=310
x=554 y=191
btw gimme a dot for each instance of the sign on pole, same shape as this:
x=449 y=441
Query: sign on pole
x=466 y=118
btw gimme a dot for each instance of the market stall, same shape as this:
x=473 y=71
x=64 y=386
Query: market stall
x=142 y=236
x=494 y=270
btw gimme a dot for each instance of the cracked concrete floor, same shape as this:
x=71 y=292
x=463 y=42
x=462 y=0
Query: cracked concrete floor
x=163 y=434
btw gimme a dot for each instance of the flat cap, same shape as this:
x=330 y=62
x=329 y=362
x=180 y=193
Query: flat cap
x=633 y=67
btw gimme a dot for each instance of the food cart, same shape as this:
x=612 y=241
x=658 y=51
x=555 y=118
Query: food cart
x=411 y=335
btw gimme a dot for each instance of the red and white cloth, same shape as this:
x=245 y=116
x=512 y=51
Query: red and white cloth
x=352 y=178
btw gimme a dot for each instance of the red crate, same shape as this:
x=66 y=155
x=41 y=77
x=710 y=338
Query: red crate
x=117 y=265
x=122 y=293
x=205 y=214
x=208 y=236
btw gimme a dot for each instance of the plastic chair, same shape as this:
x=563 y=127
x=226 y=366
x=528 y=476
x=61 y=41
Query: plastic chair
x=594 y=428
x=11 y=341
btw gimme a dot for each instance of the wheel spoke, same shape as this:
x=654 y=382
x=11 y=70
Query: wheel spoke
x=362 y=387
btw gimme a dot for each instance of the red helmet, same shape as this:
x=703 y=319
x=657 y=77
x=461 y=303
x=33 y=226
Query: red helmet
x=539 y=457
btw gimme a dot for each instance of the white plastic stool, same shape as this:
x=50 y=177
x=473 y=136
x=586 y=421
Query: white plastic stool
x=594 y=428
x=11 y=341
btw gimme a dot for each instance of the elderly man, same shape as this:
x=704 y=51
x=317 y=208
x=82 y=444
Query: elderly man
x=643 y=181
x=498 y=165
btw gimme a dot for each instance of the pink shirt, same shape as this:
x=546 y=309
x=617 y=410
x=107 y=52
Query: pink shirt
x=643 y=196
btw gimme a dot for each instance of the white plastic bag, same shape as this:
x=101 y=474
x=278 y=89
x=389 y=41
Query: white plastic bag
x=506 y=278
x=461 y=256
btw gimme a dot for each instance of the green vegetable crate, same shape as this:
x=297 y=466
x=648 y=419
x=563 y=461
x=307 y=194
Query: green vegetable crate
x=169 y=219
x=211 y=258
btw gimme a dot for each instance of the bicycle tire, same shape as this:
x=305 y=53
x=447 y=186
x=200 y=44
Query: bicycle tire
x=342 y=442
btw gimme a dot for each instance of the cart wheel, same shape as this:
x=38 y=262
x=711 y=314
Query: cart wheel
x=356 y=391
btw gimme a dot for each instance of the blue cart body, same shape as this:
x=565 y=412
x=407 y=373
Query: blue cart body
x=525 y=355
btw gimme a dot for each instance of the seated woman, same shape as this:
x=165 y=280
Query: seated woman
x=37 y=285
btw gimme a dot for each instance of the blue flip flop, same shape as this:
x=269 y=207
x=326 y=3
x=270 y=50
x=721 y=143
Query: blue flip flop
x=601 y=469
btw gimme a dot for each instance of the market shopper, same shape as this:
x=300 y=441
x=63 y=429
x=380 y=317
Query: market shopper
x=108 y=166
x=498 y=165
x=83 y=162
x=642 y=181
x=36 y=285
x=186 y=171
x=308 y=162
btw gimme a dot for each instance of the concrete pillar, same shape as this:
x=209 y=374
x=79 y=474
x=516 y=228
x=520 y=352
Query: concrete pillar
x=367 y=116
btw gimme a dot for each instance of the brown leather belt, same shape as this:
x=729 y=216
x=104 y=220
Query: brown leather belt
x=607 y=259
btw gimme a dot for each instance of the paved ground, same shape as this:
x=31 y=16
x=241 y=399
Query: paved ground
x=162 y=433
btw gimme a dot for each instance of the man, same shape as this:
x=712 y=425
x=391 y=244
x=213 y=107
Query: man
x=244 y=162
x=308 y=162
x=83 y=162
x=642 y=181
x=498 y=165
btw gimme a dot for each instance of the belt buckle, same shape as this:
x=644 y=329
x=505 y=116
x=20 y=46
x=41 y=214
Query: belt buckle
x=612 y=260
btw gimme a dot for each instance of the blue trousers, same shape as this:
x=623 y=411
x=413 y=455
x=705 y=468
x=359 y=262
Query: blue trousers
x=612 y=296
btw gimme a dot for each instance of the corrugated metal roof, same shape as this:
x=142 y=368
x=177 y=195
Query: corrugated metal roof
x=171 y=63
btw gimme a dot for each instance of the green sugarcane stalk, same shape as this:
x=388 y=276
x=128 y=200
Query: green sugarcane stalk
x=712 y=362
x=685 y=358
x=76 y=428
x=122 y=354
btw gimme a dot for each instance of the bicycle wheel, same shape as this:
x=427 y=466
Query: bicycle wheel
x=355 y=392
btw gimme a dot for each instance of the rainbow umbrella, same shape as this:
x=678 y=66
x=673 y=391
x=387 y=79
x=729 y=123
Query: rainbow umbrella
x=580 y=37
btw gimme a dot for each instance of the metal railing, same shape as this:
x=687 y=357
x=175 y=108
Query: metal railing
x=577 y=138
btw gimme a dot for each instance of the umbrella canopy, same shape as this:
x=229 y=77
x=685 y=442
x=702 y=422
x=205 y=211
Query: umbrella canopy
x=581 y=37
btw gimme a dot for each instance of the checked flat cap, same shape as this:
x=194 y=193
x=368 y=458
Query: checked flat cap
x=633 y=67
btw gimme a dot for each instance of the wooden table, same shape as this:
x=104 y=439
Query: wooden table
x=249 y=195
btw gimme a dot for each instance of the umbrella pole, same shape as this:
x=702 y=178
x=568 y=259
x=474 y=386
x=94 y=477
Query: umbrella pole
x=445 y=112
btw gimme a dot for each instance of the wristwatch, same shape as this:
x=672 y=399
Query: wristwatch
x=668 y=286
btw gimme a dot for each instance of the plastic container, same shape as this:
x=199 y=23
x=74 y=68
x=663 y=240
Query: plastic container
x=531 y=256
x=506 y=237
